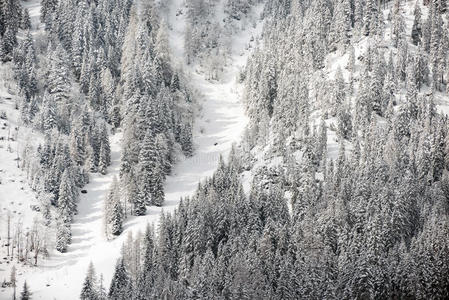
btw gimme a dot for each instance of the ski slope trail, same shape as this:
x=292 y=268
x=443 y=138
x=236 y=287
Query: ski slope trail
x=219 y=124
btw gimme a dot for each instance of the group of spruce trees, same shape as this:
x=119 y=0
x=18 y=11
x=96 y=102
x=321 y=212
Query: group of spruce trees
x=12 y=18
x=53 y=101
x=286 y=81
x=158 y=112
x=371 y=229
x=96 y=67
x=370 y=224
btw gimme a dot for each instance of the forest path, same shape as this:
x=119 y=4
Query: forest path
x=218 y=125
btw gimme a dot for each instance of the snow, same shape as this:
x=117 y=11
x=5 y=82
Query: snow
x=16 y=196
x=13 y=186
x=61 y=276
x=220 y=124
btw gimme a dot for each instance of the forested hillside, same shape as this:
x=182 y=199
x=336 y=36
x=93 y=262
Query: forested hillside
x=95 y=67
x=347 y=151
x=124 y=138
x=97 y=132
x=80 y=73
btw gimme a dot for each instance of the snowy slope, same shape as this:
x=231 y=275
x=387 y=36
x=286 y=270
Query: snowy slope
x=220 y=124
x=16 y=196
x=263 y=156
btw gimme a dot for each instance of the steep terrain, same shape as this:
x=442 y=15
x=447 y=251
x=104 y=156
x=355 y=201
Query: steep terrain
x=336 y=109
x=220 y=123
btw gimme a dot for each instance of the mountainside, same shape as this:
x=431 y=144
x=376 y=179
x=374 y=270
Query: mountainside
x=224 y=149
x=344 y=164
x=117 y=199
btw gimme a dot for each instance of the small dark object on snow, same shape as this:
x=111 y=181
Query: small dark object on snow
x=35 y=207
x=215 y=144
x=83 y=192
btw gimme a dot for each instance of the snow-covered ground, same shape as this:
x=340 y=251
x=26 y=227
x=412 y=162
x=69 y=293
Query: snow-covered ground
x=61 y=275
x=219 y=124
x=16 y=196
x=15 y=193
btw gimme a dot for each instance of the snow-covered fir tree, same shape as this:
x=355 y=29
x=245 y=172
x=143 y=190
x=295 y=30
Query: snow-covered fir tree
x=26 y=293
x=89 y=290
x=113 y=210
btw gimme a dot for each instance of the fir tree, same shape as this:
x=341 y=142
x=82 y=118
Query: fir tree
x=116 y=218
x=67 y=197
x=417 y=25
x=48 y=7
x=103 y=165
x=114 y=215
x=148 y=171
x=26 y=294
x=63 y=236
x=120 y=283
x=89 y=292
x=59 y=83
x=25 y=22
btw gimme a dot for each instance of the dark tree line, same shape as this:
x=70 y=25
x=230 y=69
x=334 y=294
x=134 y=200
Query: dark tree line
x=362 y=232
x=11 y=16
